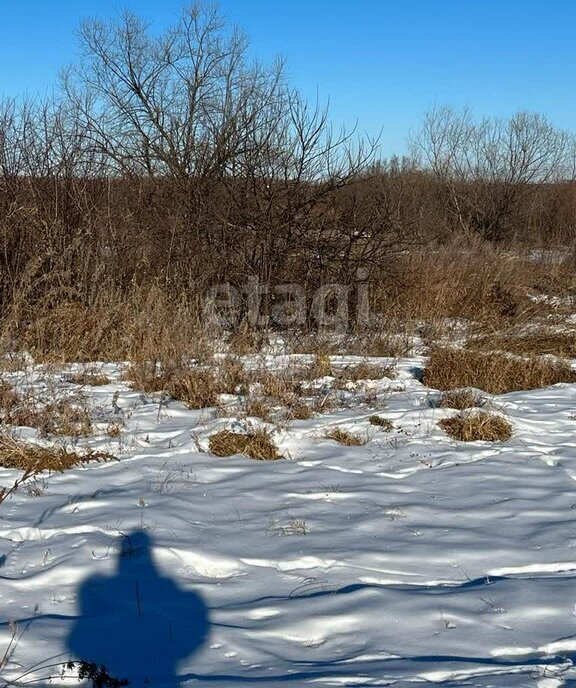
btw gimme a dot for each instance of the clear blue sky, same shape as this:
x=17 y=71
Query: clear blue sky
x=382 y=63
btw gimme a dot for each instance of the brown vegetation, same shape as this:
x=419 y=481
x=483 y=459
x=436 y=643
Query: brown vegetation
x=256 y=445
x=349 y=439
x=496 y=373
x=383 y=423
x=461 y=399
x=167 y=165
x=33 y=459
x=477 y=426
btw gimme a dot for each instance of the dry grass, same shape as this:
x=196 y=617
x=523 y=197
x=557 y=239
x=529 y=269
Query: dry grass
x=31 y=458
x=300 y=410
x=196 y=388
x=114 y=429
x=51 y=417
x=496 y=373
x=486 y=285
x=387 y=344
x=259 y=408
x=321 y=367
x=349 y=439
x=233 y=378
x=366 y=371
x=283 y=385
x=246 y=340
x=146 y=377
x=256 y=445
x=539 y=343
x=461 y=399
x=89 y=378
x=477 y=426
x=9 y=399
x=384 y=423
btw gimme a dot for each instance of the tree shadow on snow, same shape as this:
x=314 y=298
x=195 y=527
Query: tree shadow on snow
x=138 y=623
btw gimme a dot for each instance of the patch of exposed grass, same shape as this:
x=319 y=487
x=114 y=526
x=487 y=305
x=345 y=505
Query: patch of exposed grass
x=233 y=378
x=496 y=373
x=349 y=439
x=51 y=417
x=196 y=388
x=367 y=371
x=9 y=399
x=539 y=343
x=114 y=429
x=300 y=410
x=256 y=445
x=32 y=458
x=259 y=408
x=385 y=344
x=62 y=417
x=384 y=423
x=461 y=399
x=246 y=340
x=282 y=386
x=477 y=426
x=321 y=367
x=89 y=378
x=146 y=377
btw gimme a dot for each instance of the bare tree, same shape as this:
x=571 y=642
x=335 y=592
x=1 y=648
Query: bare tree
x=488 y=168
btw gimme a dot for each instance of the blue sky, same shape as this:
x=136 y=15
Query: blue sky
x=382 y=63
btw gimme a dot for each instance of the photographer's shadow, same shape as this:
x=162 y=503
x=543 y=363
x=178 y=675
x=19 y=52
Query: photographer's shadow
x=138 y=623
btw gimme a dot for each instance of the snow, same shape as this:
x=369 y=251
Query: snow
x=411 y=560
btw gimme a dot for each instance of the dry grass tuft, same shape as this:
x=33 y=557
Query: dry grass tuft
x=461 y=399
x=384 y=423
x=233 y=377
x=54 y=417
x=196 y=388
x=246 y=340
x=283 y=386
x=145 y=376
x=384 y=344
x=496 y=373
x=259 y=408
x=300 y=410
x=89 y=378
x=321 y=367
x=9 y=399
x=477 y=426
x=31 y=458
x=114 y=429
x=350 y=439
x=256 y=445
x=61 y=417
x=367 y=371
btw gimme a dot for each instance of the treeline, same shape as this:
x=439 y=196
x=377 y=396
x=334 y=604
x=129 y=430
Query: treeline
x=176 y=161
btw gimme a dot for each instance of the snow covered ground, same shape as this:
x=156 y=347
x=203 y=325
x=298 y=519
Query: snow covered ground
x=411 y=560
